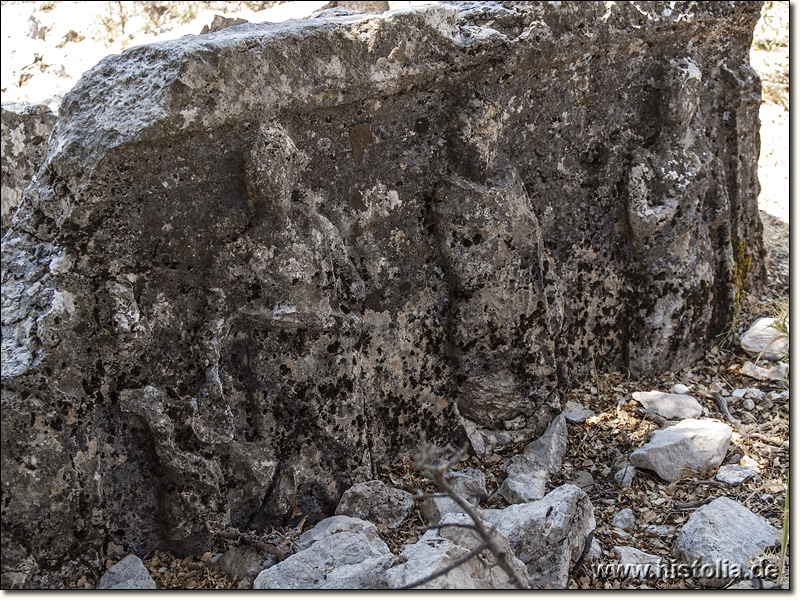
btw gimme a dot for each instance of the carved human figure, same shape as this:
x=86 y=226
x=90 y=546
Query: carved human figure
x=676 y=202
x=505 y=315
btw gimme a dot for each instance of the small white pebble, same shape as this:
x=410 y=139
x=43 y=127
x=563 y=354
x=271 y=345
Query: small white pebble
x=679 y=388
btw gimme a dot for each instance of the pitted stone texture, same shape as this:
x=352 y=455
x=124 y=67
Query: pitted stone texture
x=466 y=214
x=689 y=447
x=376 y=502
x=670 y=406
x=764 y=340
x=24 y=132
x=339 y=553
x=723 y=531
x=127 y=574
x=549 y=535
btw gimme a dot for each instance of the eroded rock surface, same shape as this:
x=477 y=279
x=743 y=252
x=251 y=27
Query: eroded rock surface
x=376 y=502
x=260 y=262
x=24 y=131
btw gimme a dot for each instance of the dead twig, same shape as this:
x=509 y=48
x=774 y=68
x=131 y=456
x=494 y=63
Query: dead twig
x=766 y=439
x=257 y=542
x=436 y=471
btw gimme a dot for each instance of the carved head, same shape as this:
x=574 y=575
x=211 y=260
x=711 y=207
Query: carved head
x=681 y=84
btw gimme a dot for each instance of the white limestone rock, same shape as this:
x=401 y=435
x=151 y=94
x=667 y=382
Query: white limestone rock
x=526 y=481
x=624 y=519
x=765 y=340
x=437 y=549
x=670 y=406
x=736 y=474
x=550 y=448
x=128 y=574
x=339 y=553
x=640 y=564
x=470 y=484
x=575 y=412
x=528 y=472
x=657 y=530
x=689 y=447
x=778 y=372
x=723 y=532
x=624 y=477
x=333 y=525
x=548 y=535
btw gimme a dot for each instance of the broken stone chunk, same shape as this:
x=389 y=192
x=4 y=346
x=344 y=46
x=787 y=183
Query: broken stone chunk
x=575 y=412
x=624 y=519
x=735 y=474
x=722 y=537
x=437 y=549
x=528 y=472
x=526 y=481
x=376 y=502
x=670 y=406
x=624 y=477
x=548 y=535
x=338 y=553
x=764 y=340
x=640 y=564
x=776 y=373
x=470 y=484
x=128 y=574
x=689 y=447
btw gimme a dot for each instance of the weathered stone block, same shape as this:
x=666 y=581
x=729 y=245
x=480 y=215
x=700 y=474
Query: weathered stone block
x=258 y=263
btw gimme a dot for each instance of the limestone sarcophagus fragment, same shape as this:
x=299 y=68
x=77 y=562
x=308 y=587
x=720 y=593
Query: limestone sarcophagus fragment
x=258 y=263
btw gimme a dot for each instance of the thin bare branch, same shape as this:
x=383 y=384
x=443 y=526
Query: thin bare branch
x=248 y=538
x=427 y=463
